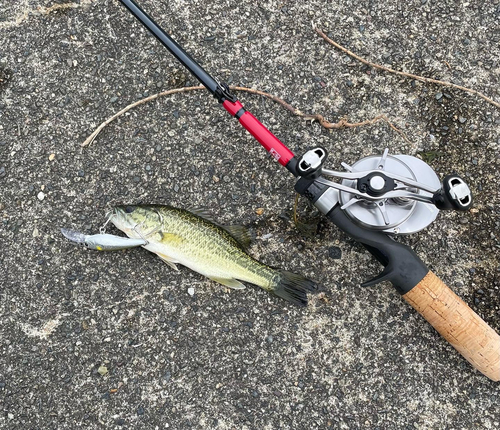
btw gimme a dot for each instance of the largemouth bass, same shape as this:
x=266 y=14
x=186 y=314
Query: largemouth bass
x=217 y=252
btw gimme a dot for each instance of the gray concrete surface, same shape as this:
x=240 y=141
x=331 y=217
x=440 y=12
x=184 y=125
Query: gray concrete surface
x=219 y=359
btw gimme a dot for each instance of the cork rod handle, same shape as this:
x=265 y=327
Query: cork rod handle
x=458 y=324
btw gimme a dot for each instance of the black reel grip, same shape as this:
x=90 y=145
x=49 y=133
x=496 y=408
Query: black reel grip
x=429 y=296
x=454 y=194
x=403 y=268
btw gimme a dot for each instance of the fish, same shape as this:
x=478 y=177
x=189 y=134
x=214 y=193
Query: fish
x=193 y=239
x=103 y=241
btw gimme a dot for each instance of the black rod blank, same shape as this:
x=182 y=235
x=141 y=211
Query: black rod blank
x=179 y=53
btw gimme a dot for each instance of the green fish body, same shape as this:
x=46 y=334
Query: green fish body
x=190 y=239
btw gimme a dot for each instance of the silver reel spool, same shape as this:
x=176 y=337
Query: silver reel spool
x=397 y=215
x=394 y=194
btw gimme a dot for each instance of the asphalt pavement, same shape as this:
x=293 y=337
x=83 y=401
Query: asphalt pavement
x=119 y=340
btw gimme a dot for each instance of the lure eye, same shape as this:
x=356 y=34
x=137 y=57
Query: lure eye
x=129 y=209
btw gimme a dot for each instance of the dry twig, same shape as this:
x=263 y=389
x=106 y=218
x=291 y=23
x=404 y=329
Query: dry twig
x=57 y=7
x=295 y=206
x=342 y=123
x=407 y=75
x=41 y=11
x=314 y=117
x=92 y=137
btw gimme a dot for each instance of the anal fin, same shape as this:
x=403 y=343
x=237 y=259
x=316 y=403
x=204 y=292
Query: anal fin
x=230 y=282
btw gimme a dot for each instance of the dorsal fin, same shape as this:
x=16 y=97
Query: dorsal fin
x=202 y=213
x=243 y=235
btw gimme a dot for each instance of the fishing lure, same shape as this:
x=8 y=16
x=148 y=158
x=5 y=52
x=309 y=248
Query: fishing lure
x=102 y=241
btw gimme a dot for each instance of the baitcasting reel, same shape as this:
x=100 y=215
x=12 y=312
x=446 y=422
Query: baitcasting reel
x=395 y=194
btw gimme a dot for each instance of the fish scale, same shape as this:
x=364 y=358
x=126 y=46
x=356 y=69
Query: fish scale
x=205 y=243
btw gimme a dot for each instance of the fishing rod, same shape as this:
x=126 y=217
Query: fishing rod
x=377 y=198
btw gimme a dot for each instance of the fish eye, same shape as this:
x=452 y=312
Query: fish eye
x=85 y=244
x=129 y=209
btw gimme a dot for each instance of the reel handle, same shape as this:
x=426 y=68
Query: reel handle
x=455 y=194
x=457 y=323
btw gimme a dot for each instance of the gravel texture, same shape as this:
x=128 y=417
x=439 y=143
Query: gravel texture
x=118 y=340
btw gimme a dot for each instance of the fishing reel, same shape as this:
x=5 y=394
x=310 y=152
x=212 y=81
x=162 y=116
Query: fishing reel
x=394 y=194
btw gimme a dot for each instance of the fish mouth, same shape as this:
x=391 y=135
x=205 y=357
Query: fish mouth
x=117 y=216
x=122 y=219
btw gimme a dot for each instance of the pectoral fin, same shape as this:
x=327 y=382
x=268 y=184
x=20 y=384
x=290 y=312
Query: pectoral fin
x=169 y=261
x=171 y=238
x=231 y=283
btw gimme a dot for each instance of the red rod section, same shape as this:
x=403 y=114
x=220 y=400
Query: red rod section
x=268 y=140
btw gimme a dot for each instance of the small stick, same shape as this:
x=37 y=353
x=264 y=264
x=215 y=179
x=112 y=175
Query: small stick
x=295 y=206
x=320 y=118
x=314 y=117
x=57 y=6
x=92 y=137
x=407 y=75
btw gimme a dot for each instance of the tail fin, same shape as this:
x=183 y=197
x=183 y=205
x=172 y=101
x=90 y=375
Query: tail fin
x=294 y=288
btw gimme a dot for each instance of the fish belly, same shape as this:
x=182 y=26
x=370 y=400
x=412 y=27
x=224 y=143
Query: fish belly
x=212 y=265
